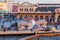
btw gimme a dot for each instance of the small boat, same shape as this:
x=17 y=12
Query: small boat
x=38 y=36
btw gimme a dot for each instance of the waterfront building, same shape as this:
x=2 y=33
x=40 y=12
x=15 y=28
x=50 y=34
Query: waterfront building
x=3 y=6
x=48 y=12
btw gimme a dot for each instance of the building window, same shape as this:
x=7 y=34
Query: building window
x=26 y=16
x=21 y=9
x=41 y=17
x=46 y=18
x=36 y=17
x=26 y=9
x=58 y=18
x=52 y=18
x=31 y=16
x=31 y=9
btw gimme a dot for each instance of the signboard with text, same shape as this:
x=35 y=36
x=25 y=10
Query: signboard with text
x=14 y=8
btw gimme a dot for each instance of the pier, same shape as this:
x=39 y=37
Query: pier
x=21 y=32
x=16 y=32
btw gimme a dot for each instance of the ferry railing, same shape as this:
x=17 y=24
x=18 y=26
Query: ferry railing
x=41 y=35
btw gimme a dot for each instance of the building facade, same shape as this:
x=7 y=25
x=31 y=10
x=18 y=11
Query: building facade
x=48 y=12
x=3 y=6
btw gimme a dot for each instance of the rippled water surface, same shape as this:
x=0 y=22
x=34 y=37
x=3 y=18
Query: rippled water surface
x=13 y=37
x=48 y=38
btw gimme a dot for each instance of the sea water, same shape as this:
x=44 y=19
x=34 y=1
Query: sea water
x=50 y=38
x=13 y=37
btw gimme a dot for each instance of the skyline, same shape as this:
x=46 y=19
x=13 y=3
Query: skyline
x=38 y=1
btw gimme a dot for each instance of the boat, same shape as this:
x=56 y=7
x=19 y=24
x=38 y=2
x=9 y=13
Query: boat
x=38 y=36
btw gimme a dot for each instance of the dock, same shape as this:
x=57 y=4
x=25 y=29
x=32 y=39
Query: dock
x=16 y=32
x=26 y=32
x=39 y=32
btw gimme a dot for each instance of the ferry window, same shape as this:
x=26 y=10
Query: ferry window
x=31 y=9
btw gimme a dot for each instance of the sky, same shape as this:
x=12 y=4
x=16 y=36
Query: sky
x=38 y=1
x=42 y=1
